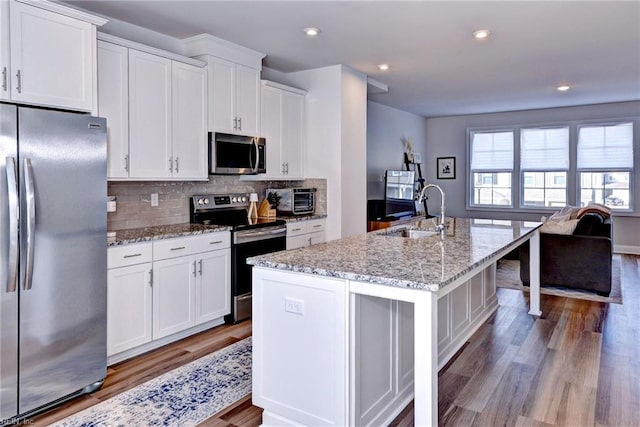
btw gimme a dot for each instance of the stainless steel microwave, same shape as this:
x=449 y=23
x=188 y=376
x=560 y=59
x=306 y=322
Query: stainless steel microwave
x=236 y=154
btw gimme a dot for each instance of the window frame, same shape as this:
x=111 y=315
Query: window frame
x=470 y=172
x=573 y=187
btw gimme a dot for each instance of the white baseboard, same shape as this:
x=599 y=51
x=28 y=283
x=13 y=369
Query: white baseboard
x=626 y=249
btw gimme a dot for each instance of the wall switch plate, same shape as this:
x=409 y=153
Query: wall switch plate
x=294 y=305
x=154 y=199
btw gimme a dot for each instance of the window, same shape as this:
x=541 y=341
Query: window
x=605 y=164
x=491 y=168
x=544 y=164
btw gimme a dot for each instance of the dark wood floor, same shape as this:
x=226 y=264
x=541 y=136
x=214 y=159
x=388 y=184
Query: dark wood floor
x=577 y=365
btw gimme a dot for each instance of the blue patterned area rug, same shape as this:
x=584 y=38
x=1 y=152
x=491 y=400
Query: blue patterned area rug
x=185 y=396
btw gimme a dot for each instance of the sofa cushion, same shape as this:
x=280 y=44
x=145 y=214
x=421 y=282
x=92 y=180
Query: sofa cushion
x=559 y=227
x=589 y=224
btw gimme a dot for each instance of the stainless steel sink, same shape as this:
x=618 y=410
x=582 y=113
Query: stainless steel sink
x=410 y=233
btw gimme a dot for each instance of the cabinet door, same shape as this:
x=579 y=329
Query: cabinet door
x=113 y=104
x=189 y=95
x=150 y=116
x=292 y=146
x=52 y=55
x=221 y=95
x=129 y=295
x=247 y=100
x=271 y=112
x=5 y=65
x=213 y=285
x=295 y=242
x=317 y=237
x=173 y=295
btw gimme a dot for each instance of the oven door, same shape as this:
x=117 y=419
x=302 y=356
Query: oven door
x=236 y=154
x=303 y=202
x=248 y=243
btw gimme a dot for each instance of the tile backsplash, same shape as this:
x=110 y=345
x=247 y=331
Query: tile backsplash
x=134 y=208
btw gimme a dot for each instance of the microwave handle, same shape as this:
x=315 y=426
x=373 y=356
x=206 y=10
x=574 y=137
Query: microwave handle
x=254 y=167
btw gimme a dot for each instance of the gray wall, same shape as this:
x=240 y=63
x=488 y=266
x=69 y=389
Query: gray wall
x=386 y=129
x=446 y=136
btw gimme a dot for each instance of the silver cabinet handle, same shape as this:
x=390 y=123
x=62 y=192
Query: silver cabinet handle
x=200 y=267
x=254 y=167
x=151 y=277
x=296 y=229
x=179 y=248
x=317 y=226
x=19 y=81
x=177 y=159
x=240 y=123
x=235 y=123
x=4 y=79
x=132 y=255
x=215 y=242
x=171 y=164
x=194 y=269
x=282 y=170
x=31 y=222
x=287 y=168
x=126 y=162
x=12 y=196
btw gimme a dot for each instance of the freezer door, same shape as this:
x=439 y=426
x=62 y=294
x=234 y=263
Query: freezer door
x=63 y=285
x=8 y=251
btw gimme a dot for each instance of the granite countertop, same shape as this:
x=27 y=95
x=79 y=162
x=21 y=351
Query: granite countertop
x=295 y=218
x=380 y=257
x=147 y=234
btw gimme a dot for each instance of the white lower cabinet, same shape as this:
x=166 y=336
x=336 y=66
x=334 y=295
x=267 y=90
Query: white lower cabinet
x=162 y=291
x=173 y=295
x=129 y=295
x=305 y=233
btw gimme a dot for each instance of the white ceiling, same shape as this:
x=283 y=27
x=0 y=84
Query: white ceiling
x=437 y=67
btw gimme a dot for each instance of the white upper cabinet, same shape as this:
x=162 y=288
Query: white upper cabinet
x=234 y=84
x=150 y=116
x=234 y=92
x=283 y=127
x=189 y=121
x=156 y=110
x=113 y=103
x=48 y=55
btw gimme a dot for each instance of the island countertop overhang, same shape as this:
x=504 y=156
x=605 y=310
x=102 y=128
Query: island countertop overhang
x=427 y=263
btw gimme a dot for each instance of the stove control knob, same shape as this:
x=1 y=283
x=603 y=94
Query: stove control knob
x=244 y=199
x=233 y=200
x=200 y=202
x=206 y=201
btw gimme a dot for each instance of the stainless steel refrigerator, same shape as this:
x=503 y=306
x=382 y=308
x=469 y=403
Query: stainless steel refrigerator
x=53 y=285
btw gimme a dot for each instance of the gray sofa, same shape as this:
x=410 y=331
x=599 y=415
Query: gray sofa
x=581 y=260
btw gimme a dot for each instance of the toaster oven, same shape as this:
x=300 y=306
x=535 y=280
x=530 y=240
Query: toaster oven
x=295 y=201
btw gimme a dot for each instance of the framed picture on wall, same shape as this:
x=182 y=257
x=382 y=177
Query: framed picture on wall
x=446 y=167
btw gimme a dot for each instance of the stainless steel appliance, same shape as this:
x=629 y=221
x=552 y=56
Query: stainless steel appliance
x=248 y=238
x=53 y=285
x=236 y=155
x=295 y=201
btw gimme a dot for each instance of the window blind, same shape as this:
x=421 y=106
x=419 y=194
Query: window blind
x=605 y=147
x=544 y=149
x=492 y=151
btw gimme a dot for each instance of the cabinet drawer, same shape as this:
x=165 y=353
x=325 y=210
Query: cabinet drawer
x=171 y=248
x=296 y=228
x=315 y=225
x=121 y=256
x=212 y=241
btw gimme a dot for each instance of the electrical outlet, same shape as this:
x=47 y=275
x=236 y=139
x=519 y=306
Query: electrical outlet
x=154 y=199
x=294 y=305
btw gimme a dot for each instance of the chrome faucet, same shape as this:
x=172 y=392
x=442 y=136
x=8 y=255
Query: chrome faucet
x=422 y=196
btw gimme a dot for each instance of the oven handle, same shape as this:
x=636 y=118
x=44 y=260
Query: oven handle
x=246 y=236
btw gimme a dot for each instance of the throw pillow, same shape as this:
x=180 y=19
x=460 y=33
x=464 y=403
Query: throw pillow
x=557 y=227
x=589 y=224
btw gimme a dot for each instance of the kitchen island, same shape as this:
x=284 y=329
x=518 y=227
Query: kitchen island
x=349 y=331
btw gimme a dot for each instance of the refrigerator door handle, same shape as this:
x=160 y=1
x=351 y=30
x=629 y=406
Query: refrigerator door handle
x=12 y=195
x=31 y=222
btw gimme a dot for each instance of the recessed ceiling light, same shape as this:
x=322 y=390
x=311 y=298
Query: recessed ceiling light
x=383 y=67
x=563 y=88
x=312 y=31
x=481 y=34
